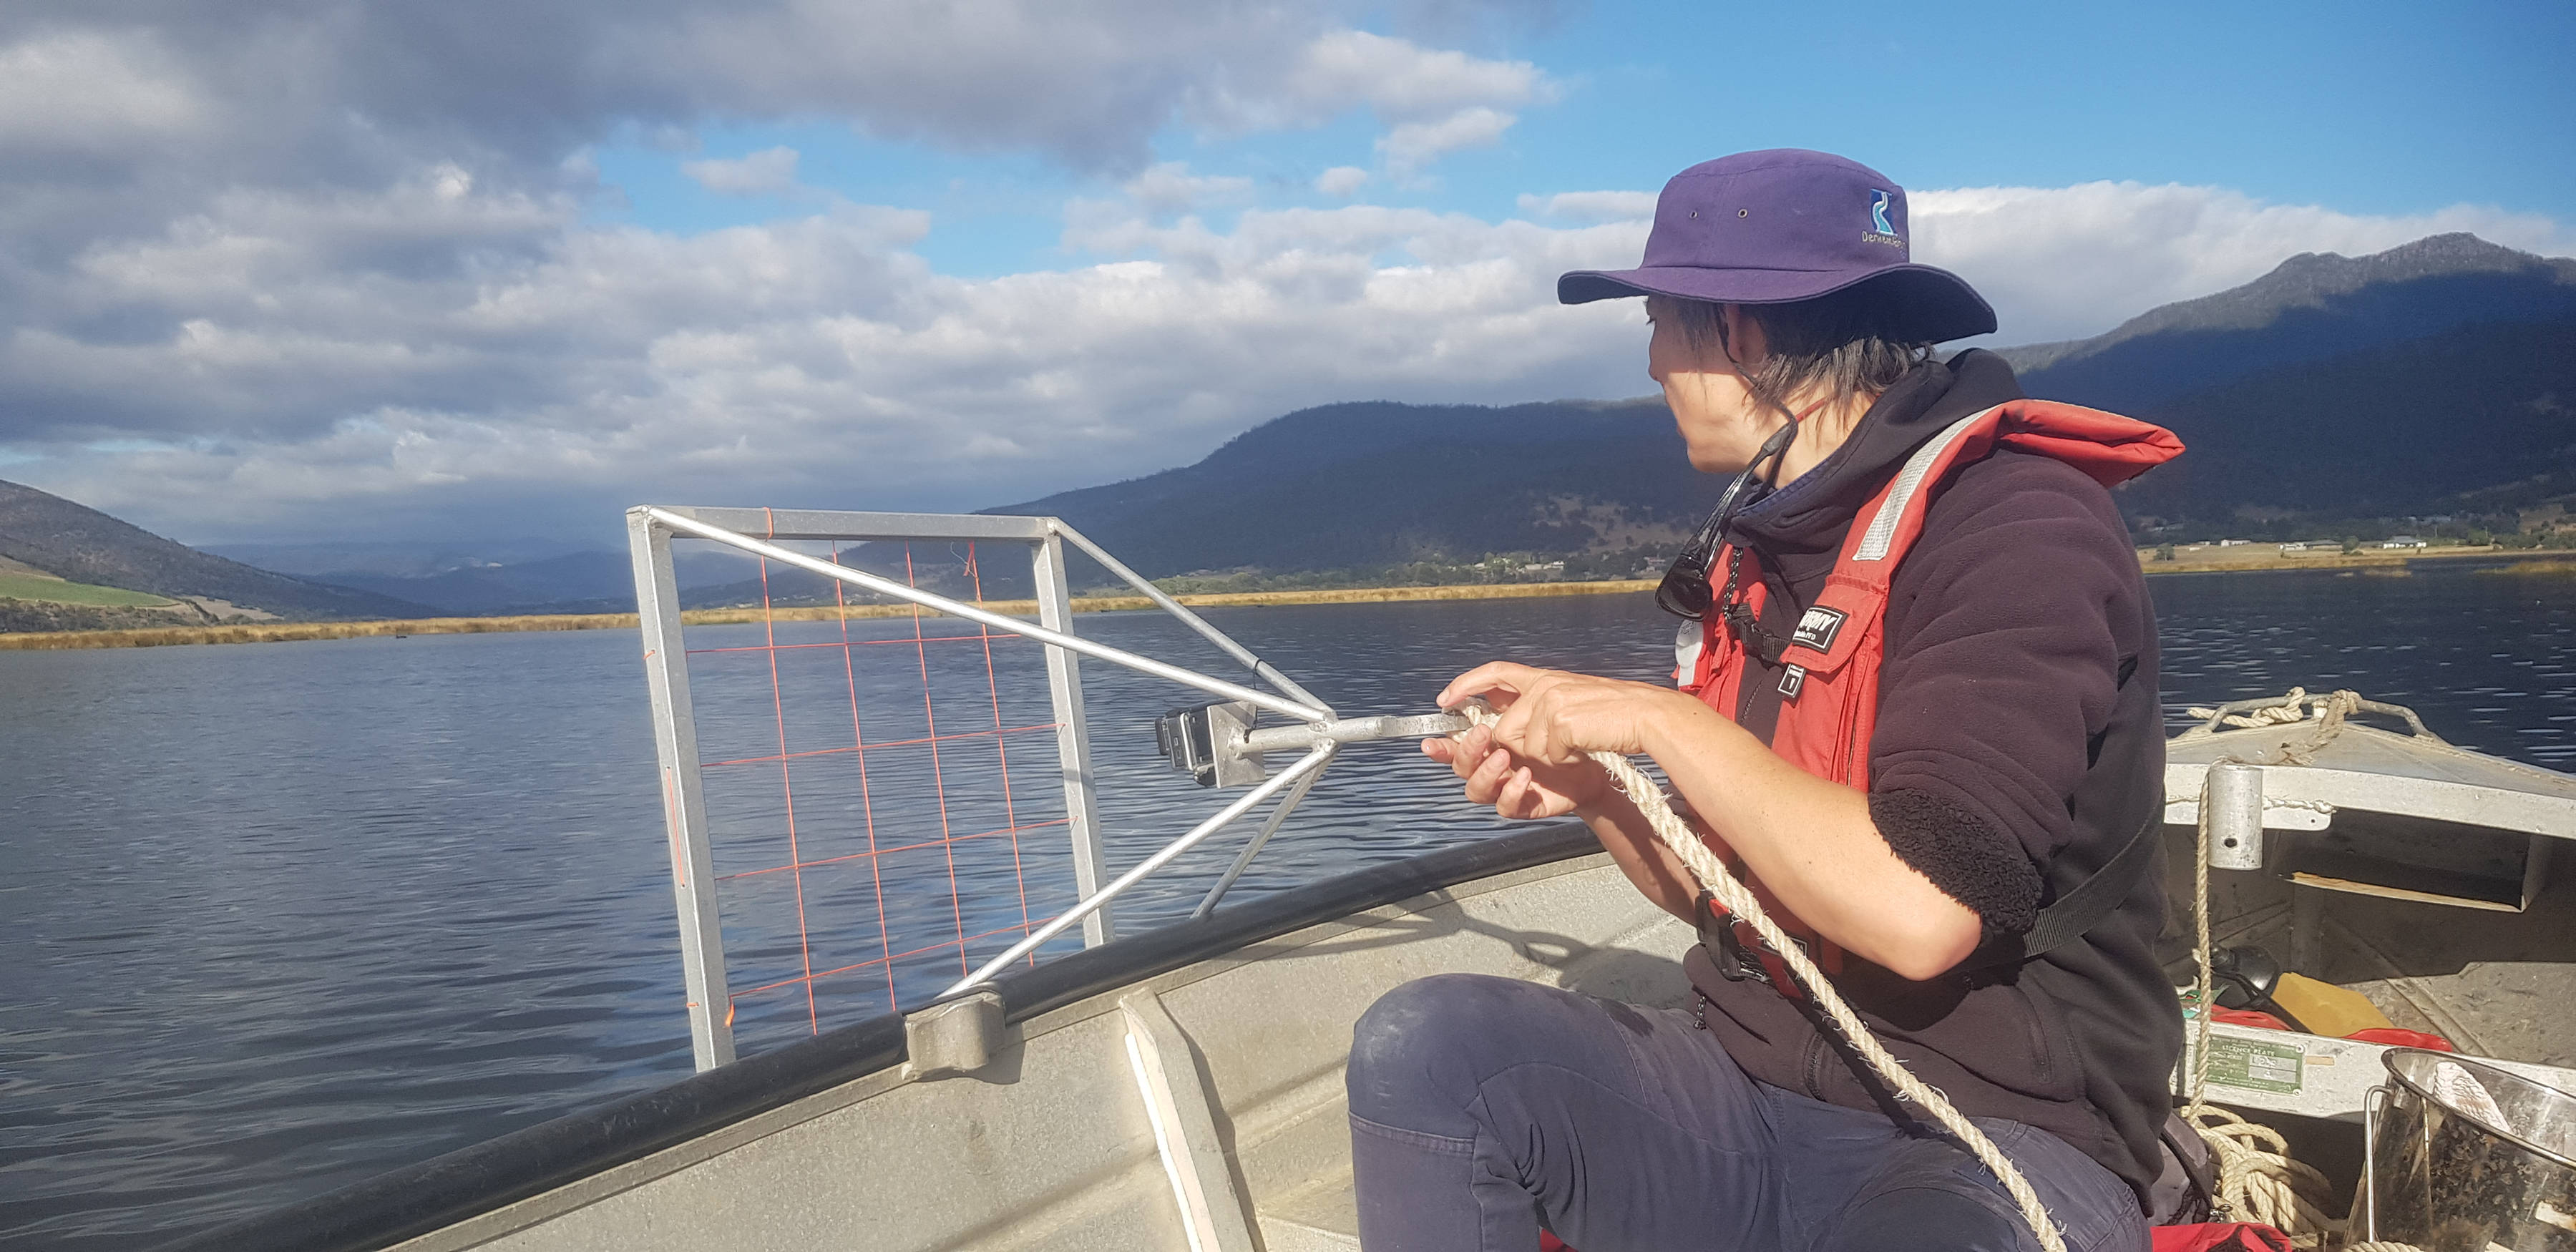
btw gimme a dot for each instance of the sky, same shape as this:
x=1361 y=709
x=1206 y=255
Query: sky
x=324 y=270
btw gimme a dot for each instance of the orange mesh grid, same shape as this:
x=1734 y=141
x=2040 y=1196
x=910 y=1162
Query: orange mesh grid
x=837 y=840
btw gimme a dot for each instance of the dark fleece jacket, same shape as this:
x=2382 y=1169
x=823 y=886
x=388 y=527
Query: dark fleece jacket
x=2019 y=745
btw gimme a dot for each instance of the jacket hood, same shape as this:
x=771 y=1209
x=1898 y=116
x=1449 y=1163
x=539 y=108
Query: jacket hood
x=1810 y=514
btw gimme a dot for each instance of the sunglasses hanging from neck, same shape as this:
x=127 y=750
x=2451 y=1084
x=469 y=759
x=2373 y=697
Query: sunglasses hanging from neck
x=1685 y=590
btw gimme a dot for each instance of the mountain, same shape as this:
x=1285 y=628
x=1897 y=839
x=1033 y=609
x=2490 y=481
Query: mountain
x=1377 y=484
x=72 y=541
x=2312 y=307
x=2409 y=428
x=2425 y=379
x=2438 y=376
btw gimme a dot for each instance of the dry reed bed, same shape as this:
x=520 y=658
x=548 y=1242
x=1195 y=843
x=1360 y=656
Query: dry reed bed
x=282 y=632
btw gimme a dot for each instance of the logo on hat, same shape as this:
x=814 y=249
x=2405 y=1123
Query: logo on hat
x=1881 y=230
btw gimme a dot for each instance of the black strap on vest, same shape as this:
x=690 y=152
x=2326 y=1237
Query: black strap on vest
x=2091 y=900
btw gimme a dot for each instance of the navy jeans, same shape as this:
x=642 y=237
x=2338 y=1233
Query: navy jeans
x=1481 y=1107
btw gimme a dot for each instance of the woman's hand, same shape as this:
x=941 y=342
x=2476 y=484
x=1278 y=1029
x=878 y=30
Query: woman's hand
x=1558 y=718
x=1533 y=762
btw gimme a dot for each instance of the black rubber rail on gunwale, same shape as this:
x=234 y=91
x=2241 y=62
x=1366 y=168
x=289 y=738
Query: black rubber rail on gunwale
x=416 y=1199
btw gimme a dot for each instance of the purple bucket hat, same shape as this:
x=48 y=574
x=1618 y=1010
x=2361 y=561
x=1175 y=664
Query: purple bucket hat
x=1787 y=224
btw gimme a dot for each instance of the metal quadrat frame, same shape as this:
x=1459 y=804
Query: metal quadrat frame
x=695 y=885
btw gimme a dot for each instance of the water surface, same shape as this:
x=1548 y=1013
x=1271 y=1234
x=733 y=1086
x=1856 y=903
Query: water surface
x=281 y=916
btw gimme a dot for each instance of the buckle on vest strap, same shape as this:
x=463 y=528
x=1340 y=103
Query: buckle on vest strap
x=1743 y=957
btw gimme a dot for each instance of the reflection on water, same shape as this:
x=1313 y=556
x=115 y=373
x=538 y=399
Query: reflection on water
x=285 y=915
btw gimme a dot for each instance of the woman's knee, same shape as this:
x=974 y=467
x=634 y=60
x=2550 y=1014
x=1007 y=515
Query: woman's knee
x=1419 y=1054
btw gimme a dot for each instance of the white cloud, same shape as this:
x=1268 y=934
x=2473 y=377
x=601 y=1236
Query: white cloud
x=288 y=263
x=89 y=91
x=1405 y=82
x=1433 y=101
x=270 y=233
x=415 y=357
x=116 y=120
x=812 y=360
x=1343 y=181
x=1593 y=206
x=1410 y=146
x=1171 y=188
x=768 y=172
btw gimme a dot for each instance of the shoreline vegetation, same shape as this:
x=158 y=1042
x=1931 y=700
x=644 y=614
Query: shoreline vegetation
x=2249 y=558
x=282 y=632
x=2263 y=558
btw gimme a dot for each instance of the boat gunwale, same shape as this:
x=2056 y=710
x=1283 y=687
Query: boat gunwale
x=413 y=1200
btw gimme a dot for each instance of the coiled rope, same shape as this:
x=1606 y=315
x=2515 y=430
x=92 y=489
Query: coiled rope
x=1738 y=900
x=2289 y=708
x=2331 y=710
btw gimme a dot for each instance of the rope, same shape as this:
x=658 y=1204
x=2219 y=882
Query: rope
x=1738 y=900
x=2290 y=708
x=2331 y=710
x=2330 y=714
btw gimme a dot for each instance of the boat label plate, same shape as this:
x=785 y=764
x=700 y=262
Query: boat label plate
x=2256 y=1064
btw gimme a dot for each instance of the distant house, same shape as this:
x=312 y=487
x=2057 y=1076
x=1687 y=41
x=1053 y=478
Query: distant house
x=2293 y=547
x=2403 y=541
x=2233 y=543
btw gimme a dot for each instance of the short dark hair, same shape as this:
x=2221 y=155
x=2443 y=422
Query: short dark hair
x=1842 y=339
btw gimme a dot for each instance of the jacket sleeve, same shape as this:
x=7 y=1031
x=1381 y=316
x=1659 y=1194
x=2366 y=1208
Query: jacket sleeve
x=2003 y=657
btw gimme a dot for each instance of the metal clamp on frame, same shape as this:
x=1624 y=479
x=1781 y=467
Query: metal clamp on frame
x=1218 y=744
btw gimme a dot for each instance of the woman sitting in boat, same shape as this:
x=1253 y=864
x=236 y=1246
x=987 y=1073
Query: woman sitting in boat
x=1916 y=709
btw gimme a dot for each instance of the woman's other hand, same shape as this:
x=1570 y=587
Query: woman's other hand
x=1517 y=789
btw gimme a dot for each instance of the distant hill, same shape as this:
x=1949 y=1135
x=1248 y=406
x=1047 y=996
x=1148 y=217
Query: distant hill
x=487 y=589
x=75 y=542
x=1377 y=483
x=586 y=582
x=326 y=561
x=2433 y=376
x=2312 y=307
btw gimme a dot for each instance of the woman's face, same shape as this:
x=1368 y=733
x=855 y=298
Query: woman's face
x=1704 y=389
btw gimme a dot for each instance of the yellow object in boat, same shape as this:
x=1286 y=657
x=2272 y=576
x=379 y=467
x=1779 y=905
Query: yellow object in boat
x=2326 y=1009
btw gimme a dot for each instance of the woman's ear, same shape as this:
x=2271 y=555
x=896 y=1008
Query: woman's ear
x=1745 y=343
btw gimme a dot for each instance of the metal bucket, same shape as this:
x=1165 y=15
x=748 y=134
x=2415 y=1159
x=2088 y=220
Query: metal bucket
x=2465 y=1157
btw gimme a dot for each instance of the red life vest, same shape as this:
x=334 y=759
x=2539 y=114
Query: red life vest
x=1829 y=686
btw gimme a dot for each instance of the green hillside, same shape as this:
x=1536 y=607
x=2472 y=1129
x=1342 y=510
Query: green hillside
x=45 y=532
x=37 y=587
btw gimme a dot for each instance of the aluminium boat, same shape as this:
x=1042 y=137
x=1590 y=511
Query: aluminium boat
x=1182 y=1089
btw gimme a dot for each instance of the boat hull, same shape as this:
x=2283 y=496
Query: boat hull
x=1241 y=1025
